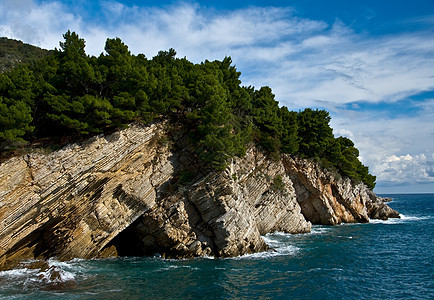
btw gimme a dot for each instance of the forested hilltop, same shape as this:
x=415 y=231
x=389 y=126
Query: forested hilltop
x=13 y=52
x=69 y=93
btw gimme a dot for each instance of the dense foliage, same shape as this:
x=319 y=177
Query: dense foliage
x=71 y=93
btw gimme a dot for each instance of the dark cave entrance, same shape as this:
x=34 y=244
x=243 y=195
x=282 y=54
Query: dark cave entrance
x=129 y=242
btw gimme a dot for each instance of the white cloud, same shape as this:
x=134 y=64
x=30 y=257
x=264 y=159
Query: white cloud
x=399 y=151
x=41 y=24
x=405 y=168
x=344 y=132
x=114 y=8
x=303 y=60
x=346 y=69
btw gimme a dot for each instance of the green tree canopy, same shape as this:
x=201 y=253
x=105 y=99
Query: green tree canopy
x=72 y=93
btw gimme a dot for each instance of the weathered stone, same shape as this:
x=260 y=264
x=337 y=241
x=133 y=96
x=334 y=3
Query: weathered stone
x=378 y=209
x=328 y=199
x=117 y=195
x=72 y=202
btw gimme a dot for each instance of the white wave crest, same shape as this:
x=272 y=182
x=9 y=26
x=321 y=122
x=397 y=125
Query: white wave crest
x=282 y=251
x=402 y=219
x=319 y=230
x=18 y=273
x=32 y=272
x=414 y=218
x=279 y=244
x=173 y=267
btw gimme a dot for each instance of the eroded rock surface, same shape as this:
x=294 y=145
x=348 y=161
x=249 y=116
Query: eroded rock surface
x=378 y=209
x=328 y=199
x=121 y=195
x=72 y=202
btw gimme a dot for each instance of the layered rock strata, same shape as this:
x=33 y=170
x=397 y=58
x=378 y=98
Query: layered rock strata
x=122 y=195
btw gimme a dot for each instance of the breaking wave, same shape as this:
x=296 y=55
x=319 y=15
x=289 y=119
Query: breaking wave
x=35 y=274
x=402 y=219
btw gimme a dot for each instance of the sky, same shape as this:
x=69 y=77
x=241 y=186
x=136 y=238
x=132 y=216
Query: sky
x=369 y=63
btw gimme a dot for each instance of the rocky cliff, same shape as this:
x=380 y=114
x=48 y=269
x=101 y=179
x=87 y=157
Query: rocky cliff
x=127 y=194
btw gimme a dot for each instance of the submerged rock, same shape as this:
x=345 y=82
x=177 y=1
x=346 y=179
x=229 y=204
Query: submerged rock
x=122 y=194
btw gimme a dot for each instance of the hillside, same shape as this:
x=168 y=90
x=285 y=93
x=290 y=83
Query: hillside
x=13 y=52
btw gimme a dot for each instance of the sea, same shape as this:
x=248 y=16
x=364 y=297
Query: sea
x=390 y=259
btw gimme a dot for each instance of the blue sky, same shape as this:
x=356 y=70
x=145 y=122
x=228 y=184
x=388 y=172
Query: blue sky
x=370 y=63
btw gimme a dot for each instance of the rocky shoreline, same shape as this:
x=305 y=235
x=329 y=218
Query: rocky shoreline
x=127 y=194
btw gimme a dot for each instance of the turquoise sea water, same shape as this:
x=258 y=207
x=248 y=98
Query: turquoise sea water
x=380 y=260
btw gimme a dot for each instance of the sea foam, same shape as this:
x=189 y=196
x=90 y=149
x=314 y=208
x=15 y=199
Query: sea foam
x=51 y=272
x=402 y=219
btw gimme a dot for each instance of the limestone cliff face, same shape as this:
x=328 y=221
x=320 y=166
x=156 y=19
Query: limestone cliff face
x=121 y=195
x=329 y=199
x=72 y=202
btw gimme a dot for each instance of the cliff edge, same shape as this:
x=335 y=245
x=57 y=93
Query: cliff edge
x=130 y=193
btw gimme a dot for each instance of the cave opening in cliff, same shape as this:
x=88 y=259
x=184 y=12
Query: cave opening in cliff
x=129 y=242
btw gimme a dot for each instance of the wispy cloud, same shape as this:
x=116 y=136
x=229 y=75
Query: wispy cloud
x=423 y=20
x=36 y=23
x=308 y=63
